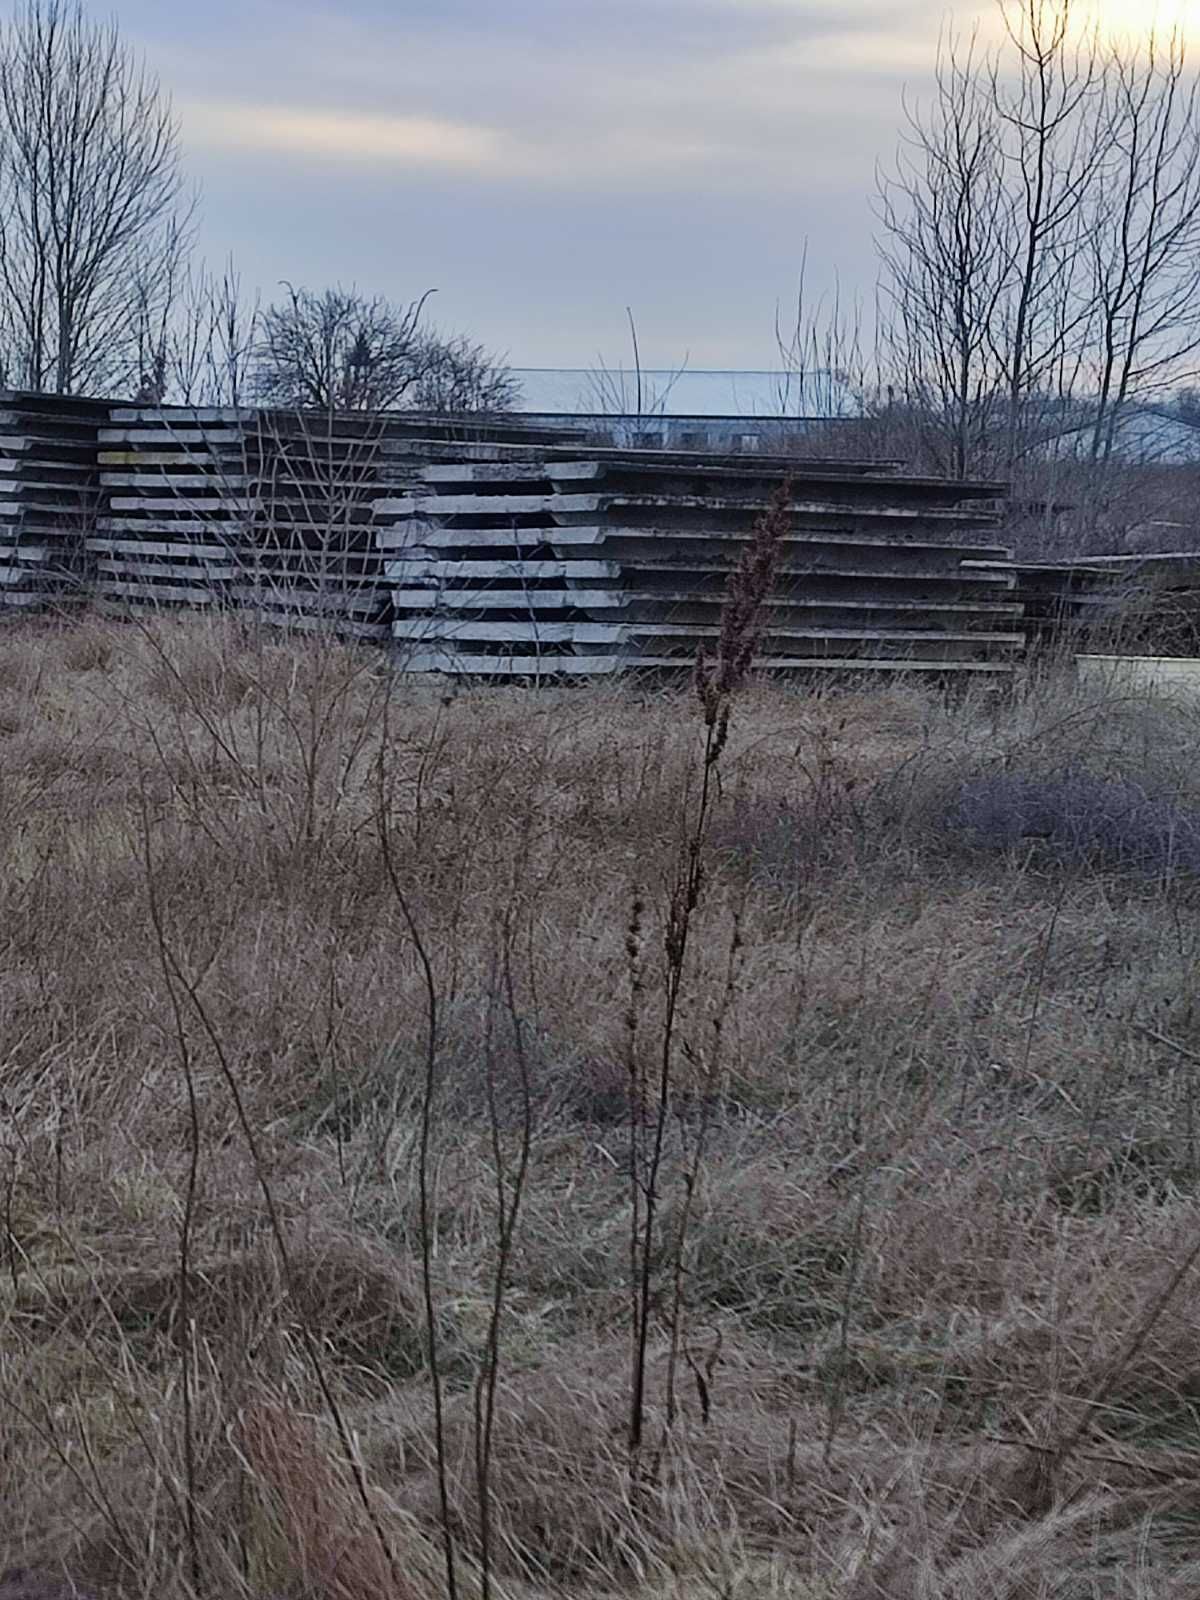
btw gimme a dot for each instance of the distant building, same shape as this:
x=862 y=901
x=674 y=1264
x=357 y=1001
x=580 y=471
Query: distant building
x=1145 y=435
x=726 y=412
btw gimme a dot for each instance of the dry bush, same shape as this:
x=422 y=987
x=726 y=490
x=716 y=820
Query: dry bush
x=929 y=1173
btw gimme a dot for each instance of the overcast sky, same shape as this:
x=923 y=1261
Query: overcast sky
x=544 y=163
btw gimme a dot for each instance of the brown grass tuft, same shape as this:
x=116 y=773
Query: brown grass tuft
x=313 y=1531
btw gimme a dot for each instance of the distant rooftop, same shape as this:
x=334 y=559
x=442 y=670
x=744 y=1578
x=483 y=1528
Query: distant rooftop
x=596 y=391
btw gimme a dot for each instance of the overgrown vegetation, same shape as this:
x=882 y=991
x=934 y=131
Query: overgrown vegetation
x=332 y=1011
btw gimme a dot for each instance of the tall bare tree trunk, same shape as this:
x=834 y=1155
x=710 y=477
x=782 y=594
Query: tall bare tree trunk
x=1044 y=89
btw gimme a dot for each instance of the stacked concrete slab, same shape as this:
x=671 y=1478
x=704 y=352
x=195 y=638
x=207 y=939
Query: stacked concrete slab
x=493 y=548
x=551 y=561
x=220 y=506
x=48 y=496
x=264 y=509
x=1149 y=604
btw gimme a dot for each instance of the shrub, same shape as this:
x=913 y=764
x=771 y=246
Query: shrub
x=1081 y=819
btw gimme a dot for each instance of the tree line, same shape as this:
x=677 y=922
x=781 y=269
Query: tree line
x=100 y=291
x=1038 y=247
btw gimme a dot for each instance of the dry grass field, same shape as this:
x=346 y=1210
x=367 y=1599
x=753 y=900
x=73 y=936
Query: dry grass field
x=350 y=1022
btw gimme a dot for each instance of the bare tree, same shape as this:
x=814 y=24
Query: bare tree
x=832 y=380
x=982 y=248
x=1144 y=231
x=342 y=351
x=210 y=339
x=196 y=335
x=458 y=375
x=159 y=291
x=339 y=351
x=93 y=216
x=824 y=369
x=946 y=253
x=1040 y=243
x=633 y=391
x=233 y=323
x=1045 y=89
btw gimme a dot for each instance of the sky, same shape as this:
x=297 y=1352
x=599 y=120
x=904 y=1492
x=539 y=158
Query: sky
x=543 y=164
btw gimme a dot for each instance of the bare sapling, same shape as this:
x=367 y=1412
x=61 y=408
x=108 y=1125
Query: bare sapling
x=511 y=1176
x=429 y=1091
x=184 y=988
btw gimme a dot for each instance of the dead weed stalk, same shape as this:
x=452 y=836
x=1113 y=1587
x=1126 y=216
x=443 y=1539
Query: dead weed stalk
x=717 y=682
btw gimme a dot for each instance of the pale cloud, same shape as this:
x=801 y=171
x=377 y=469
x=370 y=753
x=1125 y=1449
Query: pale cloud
x=887 y=52
x=417 y=143
x=686 y=137
x=341 y=136
x=710 y=96
x=737 y=121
